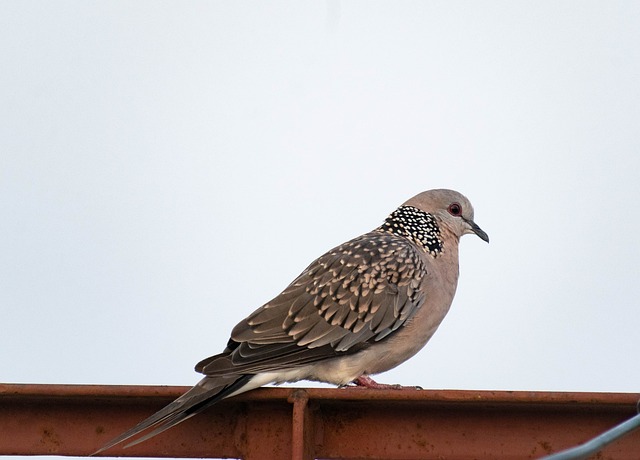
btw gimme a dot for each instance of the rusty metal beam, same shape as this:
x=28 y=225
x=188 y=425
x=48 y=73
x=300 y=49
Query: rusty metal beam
x=280 y=423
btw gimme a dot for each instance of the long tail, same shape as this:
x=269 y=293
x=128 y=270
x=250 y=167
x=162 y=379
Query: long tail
x=206 y=393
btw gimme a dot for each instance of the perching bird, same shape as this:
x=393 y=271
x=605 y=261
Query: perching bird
x=360 y=309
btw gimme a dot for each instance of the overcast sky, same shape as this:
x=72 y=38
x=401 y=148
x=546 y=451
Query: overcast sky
x=168 y=167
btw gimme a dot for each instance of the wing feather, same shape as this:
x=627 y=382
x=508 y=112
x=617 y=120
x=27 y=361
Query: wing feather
x=351 y=297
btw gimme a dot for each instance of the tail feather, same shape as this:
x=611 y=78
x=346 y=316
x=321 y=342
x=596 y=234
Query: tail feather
x=206 y=393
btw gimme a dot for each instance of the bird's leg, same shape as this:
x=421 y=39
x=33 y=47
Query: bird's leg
x=364 y=381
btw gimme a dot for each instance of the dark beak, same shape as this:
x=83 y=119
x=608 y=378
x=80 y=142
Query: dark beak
x=478 y=231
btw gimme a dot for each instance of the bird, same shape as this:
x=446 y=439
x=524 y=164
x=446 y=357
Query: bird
x=360 y=309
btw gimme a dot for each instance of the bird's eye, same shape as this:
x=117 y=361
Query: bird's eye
x=455 y=209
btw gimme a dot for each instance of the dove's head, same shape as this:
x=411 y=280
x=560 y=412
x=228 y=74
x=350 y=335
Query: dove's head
x=450 y=208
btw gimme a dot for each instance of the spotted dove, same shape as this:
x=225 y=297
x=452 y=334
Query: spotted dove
x=362 y=308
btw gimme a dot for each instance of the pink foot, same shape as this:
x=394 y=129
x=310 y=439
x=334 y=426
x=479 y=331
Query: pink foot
x=364 y=381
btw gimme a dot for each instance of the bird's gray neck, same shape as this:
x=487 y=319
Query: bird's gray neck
x=418 y=226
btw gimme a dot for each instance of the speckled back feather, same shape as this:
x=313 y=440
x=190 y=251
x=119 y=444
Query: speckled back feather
x=354 y=295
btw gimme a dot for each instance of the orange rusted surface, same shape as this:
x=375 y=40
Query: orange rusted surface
x=282 y=423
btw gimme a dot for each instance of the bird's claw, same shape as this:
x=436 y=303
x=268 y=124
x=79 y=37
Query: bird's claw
x=364 y=381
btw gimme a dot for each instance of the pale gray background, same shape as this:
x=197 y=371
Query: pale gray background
x=167 y=167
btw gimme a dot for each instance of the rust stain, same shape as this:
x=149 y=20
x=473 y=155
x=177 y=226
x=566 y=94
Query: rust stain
x=50 y=438
x=546 y=447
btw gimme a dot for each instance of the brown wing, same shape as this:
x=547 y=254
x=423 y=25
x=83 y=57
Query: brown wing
x=354 y=295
